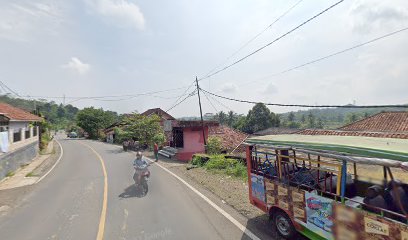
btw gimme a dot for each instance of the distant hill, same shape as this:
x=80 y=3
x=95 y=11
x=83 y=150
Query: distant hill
x=58 y=115
x=335 y=117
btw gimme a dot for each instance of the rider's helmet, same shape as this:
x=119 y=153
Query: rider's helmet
x=139 y=155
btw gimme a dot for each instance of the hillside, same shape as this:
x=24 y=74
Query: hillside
x=334 y=117
x=59 y=116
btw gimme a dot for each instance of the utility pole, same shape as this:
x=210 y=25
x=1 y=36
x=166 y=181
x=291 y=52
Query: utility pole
x=64 y=100
x=201 y=112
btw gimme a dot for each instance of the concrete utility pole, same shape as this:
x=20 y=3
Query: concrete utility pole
x=201 y=112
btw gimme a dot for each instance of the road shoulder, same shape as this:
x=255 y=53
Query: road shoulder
x=15 y=188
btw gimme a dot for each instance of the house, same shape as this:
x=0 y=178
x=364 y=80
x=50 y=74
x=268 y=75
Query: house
x=18 y=124
x=166 y=121
x=231 y=138
x=19 y=139
x=188 y=139
x=381 y=125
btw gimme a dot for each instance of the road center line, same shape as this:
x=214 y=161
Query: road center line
x=102 y=219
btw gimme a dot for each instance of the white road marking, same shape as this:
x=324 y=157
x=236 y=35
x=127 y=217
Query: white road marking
x=126 y=214
x=55 y=164
x=248 y=232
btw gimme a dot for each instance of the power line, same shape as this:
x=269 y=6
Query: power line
x=255 y=37
x=309 y=106
x=220 y=103
x=184 y=99
x=5 y=86
x=205 y=94
x=182 y=95
x=107 y=96
x=270 y=43
x=326 y=57
x=339 y=52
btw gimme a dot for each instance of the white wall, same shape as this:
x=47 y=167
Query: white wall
x=16 y=126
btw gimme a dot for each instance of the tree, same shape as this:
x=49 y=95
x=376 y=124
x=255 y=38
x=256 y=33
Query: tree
x=231 y=118
x=93 y=120
x=311 y=120
x=259 y=118
x=303 y=119
x=221 y=117
x=319 y=124
x=145 y=129
x=291 y=117
x=351 y=117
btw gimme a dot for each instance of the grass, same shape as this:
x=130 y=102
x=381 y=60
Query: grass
x=24 y=165
x=31 y=174
x=222 y=165
x=10 y=174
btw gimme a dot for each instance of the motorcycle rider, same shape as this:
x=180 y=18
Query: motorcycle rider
x=140 y=166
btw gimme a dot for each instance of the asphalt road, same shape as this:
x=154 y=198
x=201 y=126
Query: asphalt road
x=68 y=203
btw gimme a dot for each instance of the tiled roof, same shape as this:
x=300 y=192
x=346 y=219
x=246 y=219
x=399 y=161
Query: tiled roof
x=395 y=122
x=17 y=114
x=160 y=112
x=230 y=138
x=401 y=135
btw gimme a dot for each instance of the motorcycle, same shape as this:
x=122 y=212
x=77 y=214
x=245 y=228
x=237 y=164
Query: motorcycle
x=141 y=177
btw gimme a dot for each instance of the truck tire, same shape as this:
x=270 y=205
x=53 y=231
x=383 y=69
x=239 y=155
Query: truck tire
x=283 y=225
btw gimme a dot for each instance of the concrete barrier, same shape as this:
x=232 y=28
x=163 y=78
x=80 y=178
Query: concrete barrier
x=13 y=160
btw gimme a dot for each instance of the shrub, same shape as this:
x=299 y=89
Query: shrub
x=200 y=159
x=214 y=145
x=230 y=166
x=159 y=138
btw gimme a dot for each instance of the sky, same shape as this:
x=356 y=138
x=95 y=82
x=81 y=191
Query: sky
x=87 y=48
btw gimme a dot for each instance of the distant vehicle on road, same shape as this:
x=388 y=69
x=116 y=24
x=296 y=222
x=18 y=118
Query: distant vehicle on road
x=72 y=135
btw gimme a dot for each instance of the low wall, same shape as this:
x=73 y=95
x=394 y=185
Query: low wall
x=13 y=160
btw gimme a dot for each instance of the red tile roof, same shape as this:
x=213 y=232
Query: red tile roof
x=160 y=112
x=395 y=122
x=230 y=138
x=354 y=133
x=17 y=114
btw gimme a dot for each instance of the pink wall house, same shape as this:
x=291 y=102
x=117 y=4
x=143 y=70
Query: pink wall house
x=188 y=138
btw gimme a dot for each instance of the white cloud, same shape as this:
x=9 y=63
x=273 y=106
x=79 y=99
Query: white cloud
x=229 y=88
x=26 y=20
x=77 y=66
x=367 y=15
x=119 y=12
x=270 y=89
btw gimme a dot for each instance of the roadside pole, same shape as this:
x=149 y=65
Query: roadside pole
x=201 y=114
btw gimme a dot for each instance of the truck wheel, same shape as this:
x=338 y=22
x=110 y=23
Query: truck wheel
x=284 y=225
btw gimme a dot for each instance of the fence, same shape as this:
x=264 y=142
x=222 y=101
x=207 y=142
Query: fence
x=27 y=134
x=17 y=136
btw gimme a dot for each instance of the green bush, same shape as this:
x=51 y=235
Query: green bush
x=214 y=145
x=45 y=139
x=200 y=159
x=159 y=138
x=228 y=166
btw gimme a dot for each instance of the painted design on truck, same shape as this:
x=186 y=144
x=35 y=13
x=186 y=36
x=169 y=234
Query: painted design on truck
x=258 y=187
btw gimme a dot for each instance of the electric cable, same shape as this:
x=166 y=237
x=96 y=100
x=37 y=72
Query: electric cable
x=270 y=43
x=310 y=106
